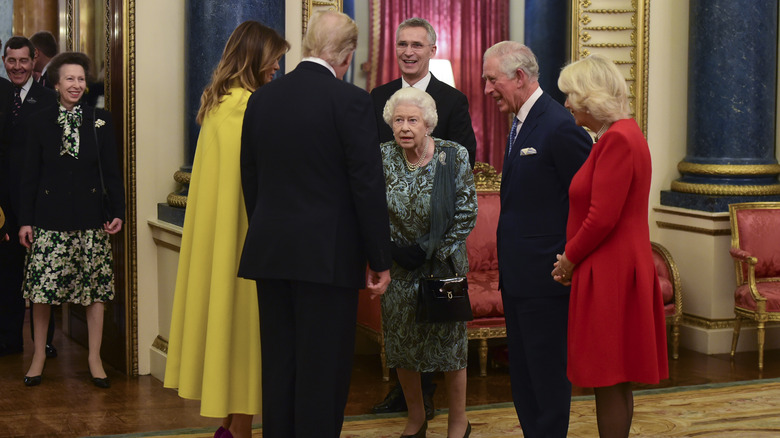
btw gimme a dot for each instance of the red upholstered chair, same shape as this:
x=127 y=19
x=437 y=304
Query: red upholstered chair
x=755 y=247
x=671 y=290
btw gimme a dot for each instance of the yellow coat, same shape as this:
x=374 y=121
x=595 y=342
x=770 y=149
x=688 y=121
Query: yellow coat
x=214 y=345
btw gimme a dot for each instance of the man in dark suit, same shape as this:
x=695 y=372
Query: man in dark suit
x=315 y=198
x=414 y=47
x=27 y=97
x=46 y=48
x=544 y=151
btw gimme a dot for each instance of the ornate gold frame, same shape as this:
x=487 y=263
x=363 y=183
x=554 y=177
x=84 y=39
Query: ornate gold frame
x=620 y=33
x=311 y=6
x=120 y=65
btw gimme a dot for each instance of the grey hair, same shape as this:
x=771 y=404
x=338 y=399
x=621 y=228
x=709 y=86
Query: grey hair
x=331 y=35
x=513 y=56
x=417 y=22
x=418 y=98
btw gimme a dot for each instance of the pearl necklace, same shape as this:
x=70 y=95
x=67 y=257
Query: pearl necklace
x=414 y=166
x=602 y=130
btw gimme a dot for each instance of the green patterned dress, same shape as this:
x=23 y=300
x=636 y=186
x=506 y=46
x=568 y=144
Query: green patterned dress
x=410 y=345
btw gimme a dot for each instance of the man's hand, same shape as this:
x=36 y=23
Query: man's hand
x=377 y=282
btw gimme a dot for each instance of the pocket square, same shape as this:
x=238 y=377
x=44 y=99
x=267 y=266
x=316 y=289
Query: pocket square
x=527 y=151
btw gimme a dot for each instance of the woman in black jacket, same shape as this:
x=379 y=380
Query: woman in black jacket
x=65 y=221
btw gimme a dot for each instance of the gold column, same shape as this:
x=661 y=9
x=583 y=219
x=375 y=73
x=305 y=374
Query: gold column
x=30 y=16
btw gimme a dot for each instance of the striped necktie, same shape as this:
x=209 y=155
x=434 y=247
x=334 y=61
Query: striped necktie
x=512 y=134
x=17 y=106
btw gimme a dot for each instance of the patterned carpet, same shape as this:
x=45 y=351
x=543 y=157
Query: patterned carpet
x=744 y=409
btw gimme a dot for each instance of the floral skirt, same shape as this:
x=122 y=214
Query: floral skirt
x=69 y=267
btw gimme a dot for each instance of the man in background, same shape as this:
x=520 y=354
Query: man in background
x=314 y=188
x=46 y=48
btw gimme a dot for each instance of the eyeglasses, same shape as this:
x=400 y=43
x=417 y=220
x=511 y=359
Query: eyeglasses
x=401 y=46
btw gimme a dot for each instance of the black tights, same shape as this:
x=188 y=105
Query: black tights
x=614 y=410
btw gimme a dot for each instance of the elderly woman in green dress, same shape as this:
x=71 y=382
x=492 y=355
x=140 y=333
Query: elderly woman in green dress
x=412 y=162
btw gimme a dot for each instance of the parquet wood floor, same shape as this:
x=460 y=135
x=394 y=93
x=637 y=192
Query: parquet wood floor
x=67 y=404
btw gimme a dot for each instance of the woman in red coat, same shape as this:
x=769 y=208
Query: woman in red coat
x=617 y=331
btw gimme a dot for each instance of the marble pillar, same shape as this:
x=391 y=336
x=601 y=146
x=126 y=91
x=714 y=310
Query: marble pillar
x=732 y=74
x=209 y=25
x=546 y=32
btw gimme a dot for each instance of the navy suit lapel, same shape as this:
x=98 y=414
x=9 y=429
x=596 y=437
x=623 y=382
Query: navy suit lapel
x=526 y=128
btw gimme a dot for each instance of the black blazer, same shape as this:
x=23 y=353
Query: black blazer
x=452 y=108
x=314 y=188
x=12 y=150
x=535 y=199
x=63 y=193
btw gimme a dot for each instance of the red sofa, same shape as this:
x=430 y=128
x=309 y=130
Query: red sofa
x=485 y=298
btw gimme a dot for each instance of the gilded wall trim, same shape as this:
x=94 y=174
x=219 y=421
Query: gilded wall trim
x=619 y=30
x=312 y=6
x=692 y=229
x=728 y=169
x=726 y=190
x=711 y=324
x=160 y=344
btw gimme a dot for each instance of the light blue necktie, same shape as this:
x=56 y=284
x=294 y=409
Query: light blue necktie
x=512 y=134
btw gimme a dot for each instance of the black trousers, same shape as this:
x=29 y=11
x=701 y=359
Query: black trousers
x=536 y=336
x=11 y=301
x=308 y=339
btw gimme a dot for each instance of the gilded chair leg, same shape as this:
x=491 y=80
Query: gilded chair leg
x=761 y=334
x=676 y=340
x=483 y=351
x=735 y=337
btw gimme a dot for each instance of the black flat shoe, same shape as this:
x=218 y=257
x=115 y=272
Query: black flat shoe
x=51 y=352
x=394 y=402
x=32 y=381
x=100 y=383
x=420 y=433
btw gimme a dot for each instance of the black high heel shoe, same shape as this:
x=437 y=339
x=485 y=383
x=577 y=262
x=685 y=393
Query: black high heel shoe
x=468 y=430
x=420 y=433
x=100 y=382
x=32 y=381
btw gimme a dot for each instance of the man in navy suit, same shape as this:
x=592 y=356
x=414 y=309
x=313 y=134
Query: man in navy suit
x=415 y=45
x=314 y=188
x=45 y=48
x=27 y=97
x=545 y=150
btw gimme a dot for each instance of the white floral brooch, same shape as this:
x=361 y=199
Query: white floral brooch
x=443 y=158
x=99 y=123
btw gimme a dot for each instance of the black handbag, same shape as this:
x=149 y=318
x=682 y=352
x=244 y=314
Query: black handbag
x=105 y=201
x=443 y=299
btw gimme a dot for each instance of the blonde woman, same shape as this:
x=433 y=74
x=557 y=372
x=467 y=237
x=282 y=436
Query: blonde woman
x=214 y=346
x=617 y=331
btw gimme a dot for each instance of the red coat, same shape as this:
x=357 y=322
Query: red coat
x=617 y=330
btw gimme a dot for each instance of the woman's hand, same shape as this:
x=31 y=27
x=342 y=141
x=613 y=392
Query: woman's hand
x=26 y=235
x=563 y=270
x=113 y=227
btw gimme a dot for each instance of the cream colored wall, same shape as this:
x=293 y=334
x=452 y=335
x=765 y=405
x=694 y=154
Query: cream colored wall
x=160 y=130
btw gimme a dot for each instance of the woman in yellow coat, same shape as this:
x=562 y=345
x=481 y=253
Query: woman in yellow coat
x=214 y=345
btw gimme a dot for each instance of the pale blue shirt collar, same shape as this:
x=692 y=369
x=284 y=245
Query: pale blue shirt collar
x=26 y=88
x=422 y=84
x=321 y=62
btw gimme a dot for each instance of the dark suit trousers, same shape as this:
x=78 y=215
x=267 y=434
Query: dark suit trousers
x=536 y=335
x=307 y=335
x=11 y=301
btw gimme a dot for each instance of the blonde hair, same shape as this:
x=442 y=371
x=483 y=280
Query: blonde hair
x=513 y=56
x=250 y=53
x=418 y=98
x=595 y=84
x=331 y=36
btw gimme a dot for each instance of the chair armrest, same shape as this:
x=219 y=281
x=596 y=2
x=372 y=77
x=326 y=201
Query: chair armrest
x=743 y=256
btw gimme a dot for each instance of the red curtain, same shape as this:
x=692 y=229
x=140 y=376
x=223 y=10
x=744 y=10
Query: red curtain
x=464 y=30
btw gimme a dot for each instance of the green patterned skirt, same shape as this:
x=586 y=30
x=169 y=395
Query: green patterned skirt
x=69 y=267
x=423 y=347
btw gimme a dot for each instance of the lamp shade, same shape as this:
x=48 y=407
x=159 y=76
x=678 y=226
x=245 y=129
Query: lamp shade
x=442 y=69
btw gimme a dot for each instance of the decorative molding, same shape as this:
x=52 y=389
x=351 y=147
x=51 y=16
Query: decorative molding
x=726 y=190
x=728 y=169
x=692 y=229
x=710 y=324
x=312 y=6
x=182 y=177
x=485 y=178
x=619 y=30
x=161 y=344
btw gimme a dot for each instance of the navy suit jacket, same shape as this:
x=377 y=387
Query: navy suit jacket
x=12 y=150
x=452 y=108
x=314 y=188
x=535 y=199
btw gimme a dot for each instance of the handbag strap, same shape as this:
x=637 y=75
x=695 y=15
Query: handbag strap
x=97 y=148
